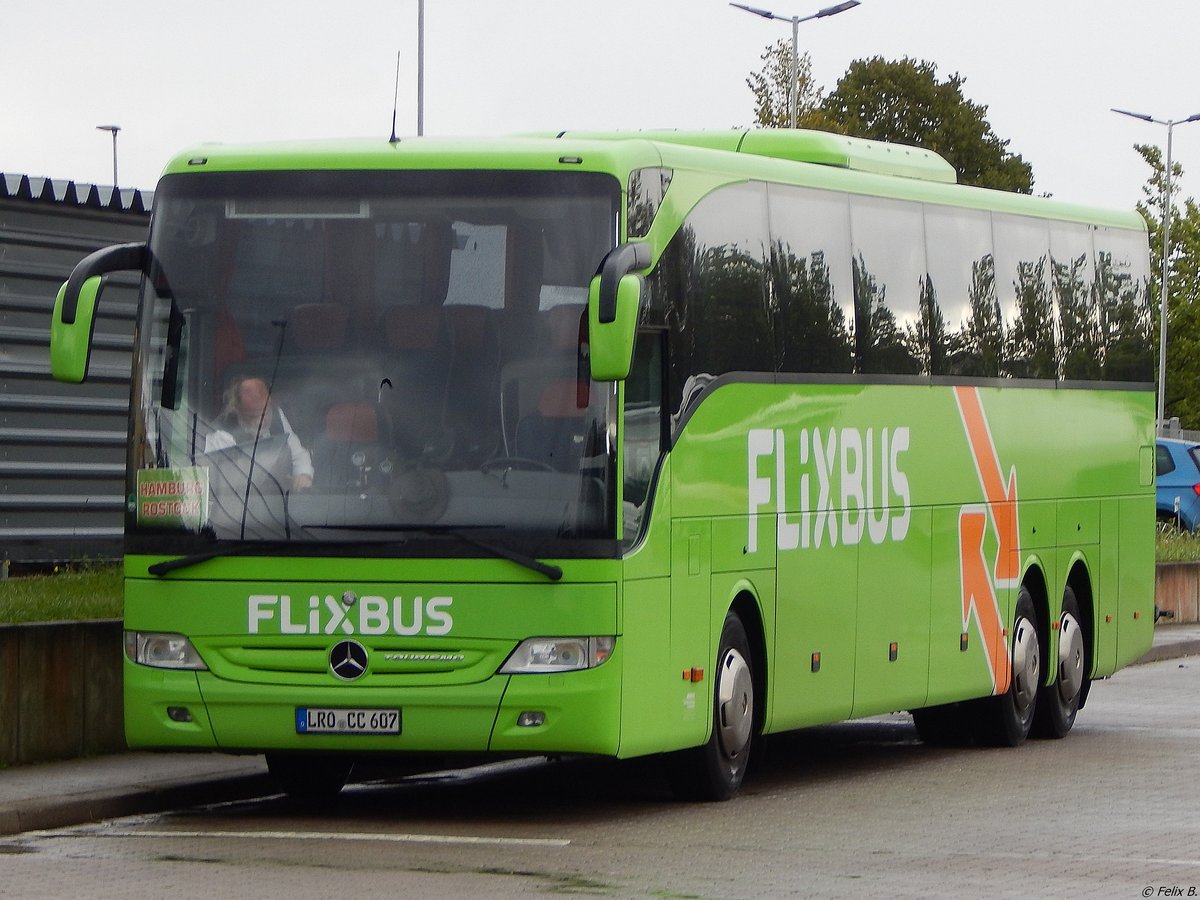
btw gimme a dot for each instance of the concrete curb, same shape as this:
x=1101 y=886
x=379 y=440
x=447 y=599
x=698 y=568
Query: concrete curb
x=1172 y=650
x=60 y=812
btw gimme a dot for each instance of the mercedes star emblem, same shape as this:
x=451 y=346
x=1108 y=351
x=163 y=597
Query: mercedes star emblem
x=348 y=660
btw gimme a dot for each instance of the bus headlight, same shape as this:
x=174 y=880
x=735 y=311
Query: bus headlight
x=162 y=651
x=558 y=655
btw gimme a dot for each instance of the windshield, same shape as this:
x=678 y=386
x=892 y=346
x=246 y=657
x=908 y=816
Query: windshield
x=323 y=354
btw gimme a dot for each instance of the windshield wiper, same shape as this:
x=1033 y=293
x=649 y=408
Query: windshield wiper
x=551 y=571
x=192 y=559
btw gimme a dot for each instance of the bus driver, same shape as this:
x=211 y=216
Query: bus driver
x=248 y=413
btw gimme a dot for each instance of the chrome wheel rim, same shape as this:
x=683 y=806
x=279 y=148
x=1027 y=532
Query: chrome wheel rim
x=1027 y=666
x=1070 y=659
x=735 y=704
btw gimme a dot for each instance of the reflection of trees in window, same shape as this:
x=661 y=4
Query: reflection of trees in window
x=673 y=282
x=646 y=189
x=730 y=318
x=811 y=332
x=1125 y=323
x=1031 y=352
x=713 y=305
x=1079 y=329
x=879 y=346
x=980 y=344
x=928 y=342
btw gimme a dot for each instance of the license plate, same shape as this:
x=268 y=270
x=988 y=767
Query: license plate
x=326 y=720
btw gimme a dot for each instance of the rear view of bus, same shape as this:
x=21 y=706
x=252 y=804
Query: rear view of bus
x=457 y=447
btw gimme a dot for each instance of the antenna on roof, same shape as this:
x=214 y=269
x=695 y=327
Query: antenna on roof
x=395 y=101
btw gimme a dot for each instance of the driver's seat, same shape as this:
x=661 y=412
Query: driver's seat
x=349 y=451
x=556 y=433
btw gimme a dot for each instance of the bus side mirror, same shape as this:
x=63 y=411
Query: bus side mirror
x=75 y=308
x=614 y=298
x=611 y=343
x=71 y=342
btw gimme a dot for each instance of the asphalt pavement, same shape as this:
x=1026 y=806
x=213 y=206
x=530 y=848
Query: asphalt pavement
x=60 y=794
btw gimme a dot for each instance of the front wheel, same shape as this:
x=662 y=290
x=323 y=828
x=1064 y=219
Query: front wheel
x=1004 y=721
x=715 y=770
x=1058 y=703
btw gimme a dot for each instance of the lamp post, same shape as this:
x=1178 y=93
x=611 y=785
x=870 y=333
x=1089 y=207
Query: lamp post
x=420 y=67
x=114 y=129
x=793 y=99
x=1166 y=258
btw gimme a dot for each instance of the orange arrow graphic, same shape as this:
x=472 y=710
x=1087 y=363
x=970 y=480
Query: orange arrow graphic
x=977 y=592
x=1001 y=500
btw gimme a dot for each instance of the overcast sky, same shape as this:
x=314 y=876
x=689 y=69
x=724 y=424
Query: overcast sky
x=175 y=74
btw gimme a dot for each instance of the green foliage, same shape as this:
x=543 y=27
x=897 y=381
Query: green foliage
x=900 y=101
x=1183 y=314
x=903 y=101
x=1173 y=545
x=770 y=87
x=91 y=592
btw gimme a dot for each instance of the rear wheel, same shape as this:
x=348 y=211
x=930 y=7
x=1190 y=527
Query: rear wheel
x=1004 y=721
x=715 y=771
x=309 y=777
x=1058 y=703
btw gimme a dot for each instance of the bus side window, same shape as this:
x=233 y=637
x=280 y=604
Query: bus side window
x=643 y=441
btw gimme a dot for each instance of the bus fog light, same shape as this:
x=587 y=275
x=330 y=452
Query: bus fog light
x=162 y=651
x=179 y=714
x=558 y=655
x=530 y=719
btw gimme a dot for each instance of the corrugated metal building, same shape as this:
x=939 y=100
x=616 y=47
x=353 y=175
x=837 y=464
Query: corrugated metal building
x=62 y=447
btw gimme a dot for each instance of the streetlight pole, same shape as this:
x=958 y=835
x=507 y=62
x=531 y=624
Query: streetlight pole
x=114 y=129
x=420 y=67
x=1166 y=258
x=793 y=94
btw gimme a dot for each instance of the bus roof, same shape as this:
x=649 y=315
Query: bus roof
x=800 y=157
x=807 y=146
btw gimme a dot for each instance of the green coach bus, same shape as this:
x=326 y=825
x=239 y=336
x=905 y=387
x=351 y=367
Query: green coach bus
x=621 y=444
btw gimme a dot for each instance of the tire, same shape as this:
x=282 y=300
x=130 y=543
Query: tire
x=1005 y=721
x=951 y=725
x=1058 y=703
x=309 y=777
x=715 y=771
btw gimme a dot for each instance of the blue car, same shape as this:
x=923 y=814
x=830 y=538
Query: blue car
x=1177 y=480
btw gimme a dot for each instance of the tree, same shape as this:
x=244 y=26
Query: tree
x=1183 y=314
x=771 y=87
x=902 y=101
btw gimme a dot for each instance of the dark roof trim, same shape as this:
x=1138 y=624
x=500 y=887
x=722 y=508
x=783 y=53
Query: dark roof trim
x=72 y=193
